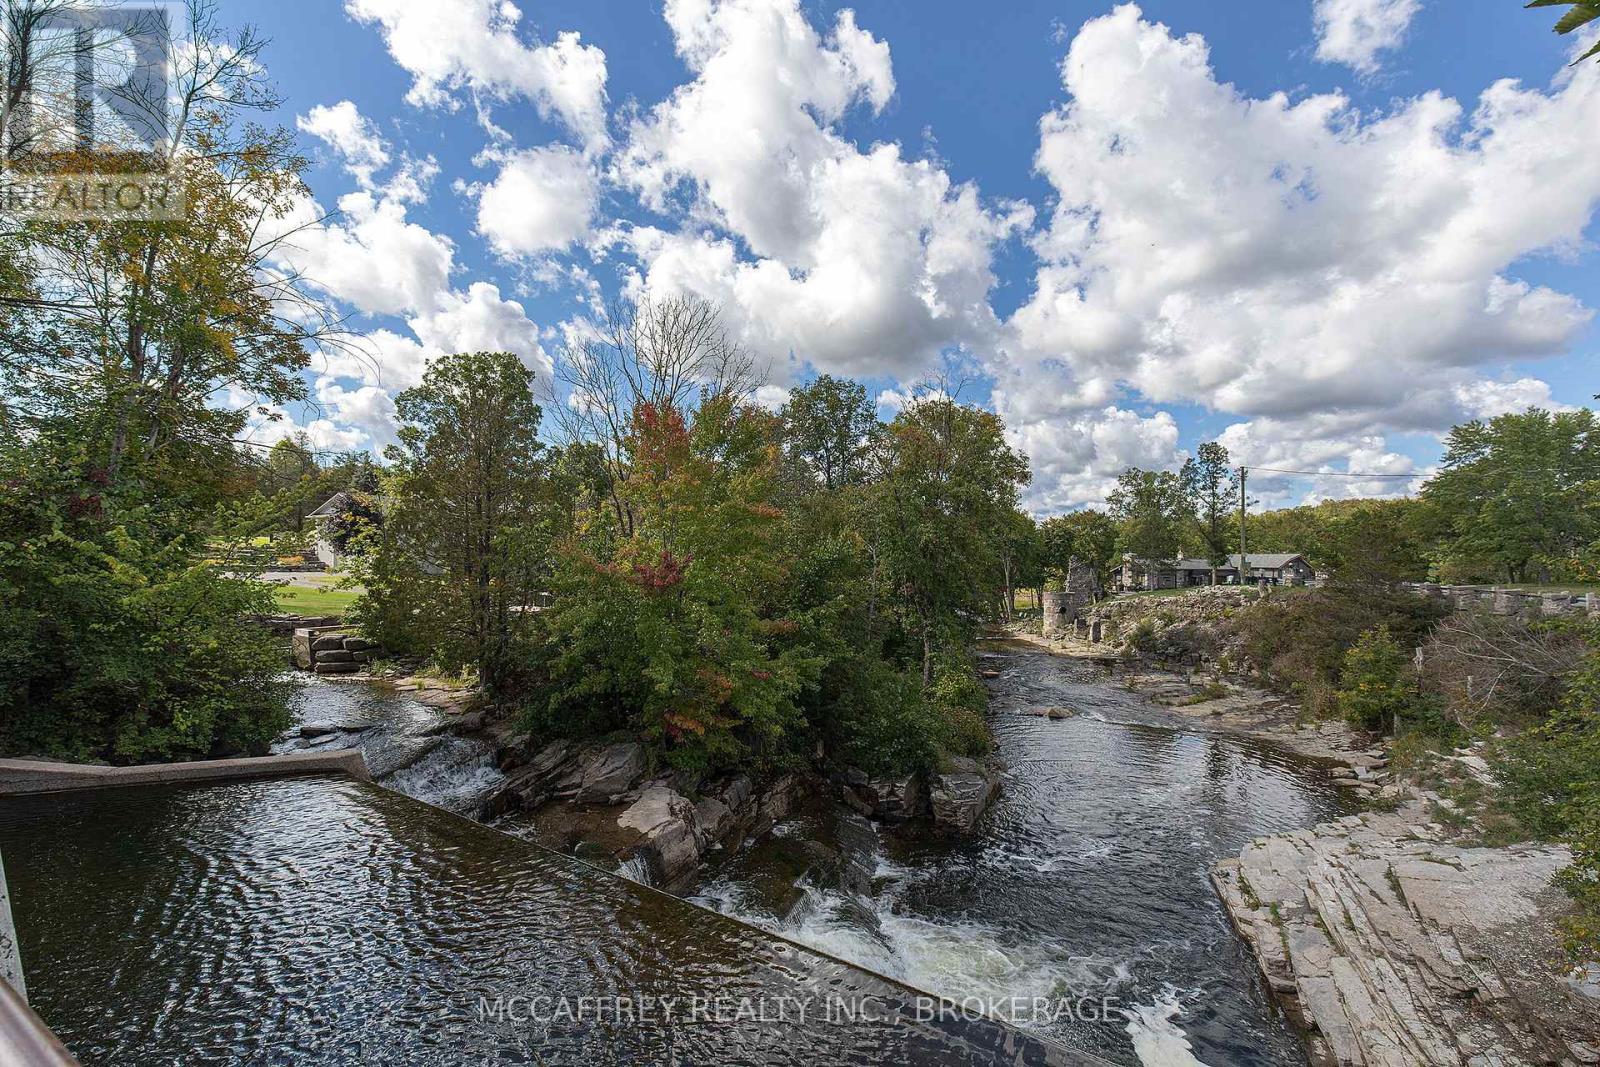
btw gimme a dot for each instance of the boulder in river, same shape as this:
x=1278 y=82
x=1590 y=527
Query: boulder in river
x=670 y=837
x=530 y=786
x=611 y=772
x=892 y=799
x=962 y=793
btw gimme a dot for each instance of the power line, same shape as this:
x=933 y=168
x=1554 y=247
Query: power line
x=1334 y=474
x=1420 y=474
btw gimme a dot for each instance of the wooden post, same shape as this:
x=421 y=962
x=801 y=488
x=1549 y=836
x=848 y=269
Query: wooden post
x=1244 y=564
x=10 y=952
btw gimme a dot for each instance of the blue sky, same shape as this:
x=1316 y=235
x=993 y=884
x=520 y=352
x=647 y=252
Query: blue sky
x=1297 y=225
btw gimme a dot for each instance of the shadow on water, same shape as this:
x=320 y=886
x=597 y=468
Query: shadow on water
x=1088 y=876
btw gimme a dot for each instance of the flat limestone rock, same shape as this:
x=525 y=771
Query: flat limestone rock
x=1391 y=946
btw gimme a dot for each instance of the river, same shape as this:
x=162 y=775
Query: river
x=1087 y=879
x=1089 y=875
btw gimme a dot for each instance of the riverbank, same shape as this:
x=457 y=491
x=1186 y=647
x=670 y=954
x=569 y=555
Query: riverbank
x=1390 y=944
x=1210 y=702
x=1387 y=937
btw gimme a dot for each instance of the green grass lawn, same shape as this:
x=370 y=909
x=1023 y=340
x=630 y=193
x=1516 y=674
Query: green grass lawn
x=300 y=600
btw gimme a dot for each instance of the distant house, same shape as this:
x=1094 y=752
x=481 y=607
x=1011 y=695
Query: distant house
x=320 y=518
x=1276 y=568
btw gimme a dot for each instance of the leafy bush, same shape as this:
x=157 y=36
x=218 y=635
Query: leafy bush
x=1376 y=690
x=884 y=724
x=1297 y=640
x=1582 y=881
x=115 y=644
x=1550 y=782
x=887 y=725
x=960 y=702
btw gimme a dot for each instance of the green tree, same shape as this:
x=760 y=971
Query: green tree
x=1517 y=497
x=1089 y=536
x=947 y=483
x=1374 y=691
x=465 y=542
x=827 y=425
x=1153 y=509
x=1374 y=543
x=118 y=640
x=670 y=631
x=1215 y=485
x=1579 y=14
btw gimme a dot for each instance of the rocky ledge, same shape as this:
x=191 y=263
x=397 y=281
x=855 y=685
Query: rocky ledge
x=603 y=797
x=952 y=798
x=597 y=799
x=1391 y=946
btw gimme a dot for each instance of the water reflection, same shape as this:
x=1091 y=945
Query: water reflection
x=330 y=921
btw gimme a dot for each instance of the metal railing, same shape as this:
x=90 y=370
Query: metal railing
x=25 y=1041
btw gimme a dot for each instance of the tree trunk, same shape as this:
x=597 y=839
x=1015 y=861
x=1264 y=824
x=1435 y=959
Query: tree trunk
x=927 y=655
x=1010 y=594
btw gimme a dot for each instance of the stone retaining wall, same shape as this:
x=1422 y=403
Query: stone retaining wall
x=1509 y=601
x=1103 y=623
x=326 y=650
x=286 y=625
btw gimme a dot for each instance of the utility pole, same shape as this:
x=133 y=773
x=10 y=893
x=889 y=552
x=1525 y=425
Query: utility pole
x=1244 y=564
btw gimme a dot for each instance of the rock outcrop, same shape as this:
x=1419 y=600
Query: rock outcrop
x=885 y=799
x=608 y=774
x=962 y=793
x=670 y=836
x=614 y=808
x=1393 y=947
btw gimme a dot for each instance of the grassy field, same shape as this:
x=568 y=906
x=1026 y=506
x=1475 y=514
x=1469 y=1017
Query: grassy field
x=316 y=599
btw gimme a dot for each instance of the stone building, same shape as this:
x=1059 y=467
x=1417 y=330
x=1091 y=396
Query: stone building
x=1275 y=568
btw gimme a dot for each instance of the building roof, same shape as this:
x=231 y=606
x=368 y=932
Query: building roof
x=1261 y=561
x=329 y=507
x=1267 y=561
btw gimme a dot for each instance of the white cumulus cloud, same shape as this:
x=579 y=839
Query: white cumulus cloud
x=1353 y=32
x=856 y=261
x=542 y=200
x=1294 y=260
x=477 y=45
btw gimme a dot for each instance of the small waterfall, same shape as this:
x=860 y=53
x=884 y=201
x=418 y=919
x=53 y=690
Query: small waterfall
x=636 y=870
x=458 y=774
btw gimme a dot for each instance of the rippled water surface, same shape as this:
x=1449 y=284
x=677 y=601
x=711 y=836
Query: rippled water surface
x=320 y=920
x=1089 y=874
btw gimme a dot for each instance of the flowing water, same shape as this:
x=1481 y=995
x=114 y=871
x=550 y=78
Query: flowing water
x=1087 y=877
x=329 y=921
x=400 y=738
